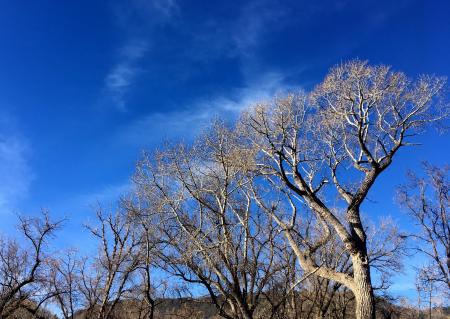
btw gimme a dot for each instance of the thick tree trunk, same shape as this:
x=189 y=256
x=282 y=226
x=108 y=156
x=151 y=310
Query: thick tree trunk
x=245 y=313
x=364 y=298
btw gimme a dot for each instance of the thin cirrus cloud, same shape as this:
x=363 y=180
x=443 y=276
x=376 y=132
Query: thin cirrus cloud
x=122 y=75
x=256 y=18
x=227 y=40
x=15 y=171
x=259 y=82
x=166 y=8
x=215 y=38
x=186 y=123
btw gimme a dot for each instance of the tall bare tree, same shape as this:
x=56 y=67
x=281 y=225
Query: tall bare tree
x=213 y=234
x=427 y=200
x=327 y=149
x=64 y=280
x=106 y=281
x=149 y=292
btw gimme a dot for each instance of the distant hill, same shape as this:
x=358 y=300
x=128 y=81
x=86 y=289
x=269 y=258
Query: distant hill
x=165 y=309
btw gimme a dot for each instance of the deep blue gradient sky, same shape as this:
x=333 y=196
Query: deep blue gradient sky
x=86 y=85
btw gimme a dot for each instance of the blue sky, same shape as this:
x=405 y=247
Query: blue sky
x=86 y=85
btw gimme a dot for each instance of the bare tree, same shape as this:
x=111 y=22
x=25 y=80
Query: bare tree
x=114 y=282
x=108 y=279
x=23 y=269
x=427 y=200
x=328 y=148
x=64 y=280
x=213 y=234
x=425 y=287
x=148 y=292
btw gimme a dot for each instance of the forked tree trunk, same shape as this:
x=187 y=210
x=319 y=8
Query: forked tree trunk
x=245 y=313
x=364 y=298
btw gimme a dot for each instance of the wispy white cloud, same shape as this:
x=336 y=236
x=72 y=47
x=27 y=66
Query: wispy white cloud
x=165 y=7
x=122 y=75
x=149 y=13
x=240 y=37
x=256 y=18
x=187 y=122
x=16 y=174
x=211 y=40
x=146 y=13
